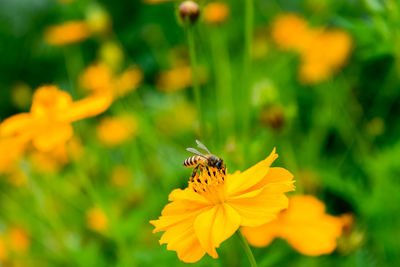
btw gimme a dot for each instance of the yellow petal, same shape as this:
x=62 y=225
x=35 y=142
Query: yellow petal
x=216 y=225
x=188 y=195
x=308 y=228
x=48 y=100
x=263 y=235
x=177 y=221
x=16 y=124
x=259 y=209
x=240 y=183
x=314 y=237
x=88 y=107
x=51 y=136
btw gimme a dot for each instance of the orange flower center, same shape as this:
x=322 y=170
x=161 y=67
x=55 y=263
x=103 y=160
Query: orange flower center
x=210 y=183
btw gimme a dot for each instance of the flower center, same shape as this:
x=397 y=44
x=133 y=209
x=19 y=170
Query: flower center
x=209 y=182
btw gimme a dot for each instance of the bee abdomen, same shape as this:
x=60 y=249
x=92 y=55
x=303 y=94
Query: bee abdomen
x=192 y=161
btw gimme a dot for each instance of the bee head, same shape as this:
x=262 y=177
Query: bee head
x=220 y=163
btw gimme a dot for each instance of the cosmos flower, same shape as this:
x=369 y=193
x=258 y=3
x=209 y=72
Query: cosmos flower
x=215 y=204
x=19 y=239
x=48 y=124
x=67 y=33
x=304 y=225
x=322 y=51
x=216 y=12
x=99 y=78
x=290 y=32
x=113 y=131
x=14 y=147
x=97 y=220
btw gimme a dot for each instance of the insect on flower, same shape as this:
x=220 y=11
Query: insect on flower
x=216 y=203
x=203 y=161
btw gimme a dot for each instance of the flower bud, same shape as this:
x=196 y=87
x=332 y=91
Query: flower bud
x=189 y=10
x=273 y=116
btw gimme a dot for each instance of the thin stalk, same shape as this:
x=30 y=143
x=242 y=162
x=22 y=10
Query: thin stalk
x=246 y=89
x=247 y=249
x=224 y=101
x=195 y=77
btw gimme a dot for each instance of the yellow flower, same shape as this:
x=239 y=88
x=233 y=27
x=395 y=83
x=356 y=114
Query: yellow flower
x=48 y=124
x=3 y=250
x=216 y=12
x=99 y=78
x=67 y=33
x=328 y=51
x=18 y=239
x=97 y=220
x=177 y=79
x=128 y=81
x=216 y=204
x=322 y=51
x=115 y=131
x=11 y=149
x=304 y=225
x=121 y=175
x=290 y=32
x=51 y=161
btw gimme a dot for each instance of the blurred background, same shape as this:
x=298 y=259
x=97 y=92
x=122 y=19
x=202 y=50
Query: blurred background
x=317 y=79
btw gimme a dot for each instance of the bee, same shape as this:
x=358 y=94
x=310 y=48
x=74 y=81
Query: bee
x=200 y=160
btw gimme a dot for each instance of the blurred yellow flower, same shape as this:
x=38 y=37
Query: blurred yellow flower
x=128 y=81
x=3 y=250
x=290 y=32
x=216 y=12
x=304 y=225
x=216 y=204
x=67 y=33
x=322 y=51
x=97 y=220
x=121 y=175
x=19 y=240
x=113 y=131
x=177 y=79
x=99 y=78
x=11 y=149
x=51 y=161
x=48 y=124
x=327 y=52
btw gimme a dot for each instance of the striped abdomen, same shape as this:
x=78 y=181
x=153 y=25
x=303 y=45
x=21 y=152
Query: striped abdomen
x=193 y=161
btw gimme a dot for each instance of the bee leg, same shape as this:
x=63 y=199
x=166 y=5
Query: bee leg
x=195 y=171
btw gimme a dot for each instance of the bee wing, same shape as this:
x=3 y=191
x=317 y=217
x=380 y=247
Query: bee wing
x=200 y=145
x=194 y=151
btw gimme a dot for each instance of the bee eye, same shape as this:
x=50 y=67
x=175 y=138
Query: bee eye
x=219 y=164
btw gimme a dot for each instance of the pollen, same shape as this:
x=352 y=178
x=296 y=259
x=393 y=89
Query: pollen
x=210 y=182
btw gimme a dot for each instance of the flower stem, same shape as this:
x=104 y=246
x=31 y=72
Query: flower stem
x=247 y=249
x=195 y=78
x=247 y=82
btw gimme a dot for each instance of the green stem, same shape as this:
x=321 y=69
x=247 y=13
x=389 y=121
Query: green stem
x=246 y=89
x=195 y=78
x=247 y=249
